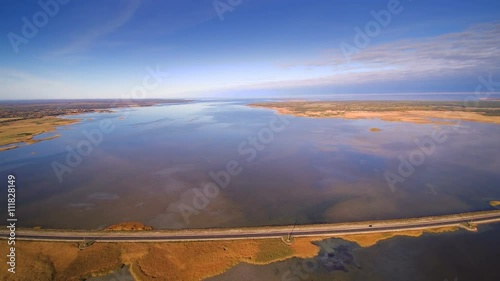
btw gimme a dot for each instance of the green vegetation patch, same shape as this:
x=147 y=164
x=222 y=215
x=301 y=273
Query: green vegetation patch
x=273 y=250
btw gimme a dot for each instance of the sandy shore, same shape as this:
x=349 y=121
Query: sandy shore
x=431 y=113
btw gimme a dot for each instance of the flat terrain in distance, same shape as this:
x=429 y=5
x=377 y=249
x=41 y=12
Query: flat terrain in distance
x=20 y=121
x=400 y=111
x=41 y=108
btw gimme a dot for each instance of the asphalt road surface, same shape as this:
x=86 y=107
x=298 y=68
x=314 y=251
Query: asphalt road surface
x=465 y=220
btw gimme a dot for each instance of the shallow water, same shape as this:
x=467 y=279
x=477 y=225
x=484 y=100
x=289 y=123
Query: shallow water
x=153 y=162
x=451 y=256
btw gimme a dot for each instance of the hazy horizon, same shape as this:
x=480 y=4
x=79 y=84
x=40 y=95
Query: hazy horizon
x=345 y=96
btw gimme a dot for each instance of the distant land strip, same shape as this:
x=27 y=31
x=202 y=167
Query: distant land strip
x=422 y=112
x=21 y=121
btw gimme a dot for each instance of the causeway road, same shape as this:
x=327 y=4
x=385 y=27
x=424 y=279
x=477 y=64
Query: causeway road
x=464 y=220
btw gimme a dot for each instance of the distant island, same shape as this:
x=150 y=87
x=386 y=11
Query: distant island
x=423 y=112
x=21 y=121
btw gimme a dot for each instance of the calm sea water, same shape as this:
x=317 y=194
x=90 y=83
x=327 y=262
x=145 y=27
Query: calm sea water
x=154 y=165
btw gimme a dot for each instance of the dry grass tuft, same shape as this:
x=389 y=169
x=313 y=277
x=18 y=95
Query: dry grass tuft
x=128 y=226
x=98 y=259
x=368 y=240
x=198 y=260
x=495 y=203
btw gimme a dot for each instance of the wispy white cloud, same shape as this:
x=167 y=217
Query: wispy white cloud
x=86 y=39
x=475 y=48
x=471 y=52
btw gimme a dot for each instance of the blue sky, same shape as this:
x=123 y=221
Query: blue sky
x=232 y=48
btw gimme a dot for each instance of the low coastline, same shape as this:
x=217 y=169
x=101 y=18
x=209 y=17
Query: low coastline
x=24 y=131
x=420 y=112
x=21 y=122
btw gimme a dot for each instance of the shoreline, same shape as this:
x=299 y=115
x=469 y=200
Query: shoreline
x=21 y=122
x=19 y=133
x=419 y=112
